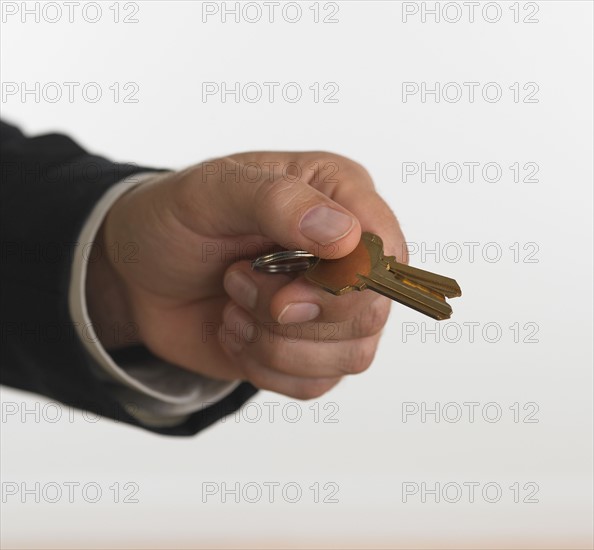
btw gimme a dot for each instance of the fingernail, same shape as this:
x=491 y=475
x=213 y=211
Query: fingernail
x=241 y=288
x=299 y=313
x=325 y=225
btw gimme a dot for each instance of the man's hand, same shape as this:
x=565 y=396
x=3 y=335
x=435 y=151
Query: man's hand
x=193 y=296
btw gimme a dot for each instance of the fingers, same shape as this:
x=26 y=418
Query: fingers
x=274 y=298
x=253 y=290
x=296 y=387
x=347 y=183
x=216 y=200
x=253 y=345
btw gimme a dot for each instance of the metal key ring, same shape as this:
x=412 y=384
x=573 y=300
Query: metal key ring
x=286 y=261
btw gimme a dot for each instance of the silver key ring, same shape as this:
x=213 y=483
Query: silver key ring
x=287 y=261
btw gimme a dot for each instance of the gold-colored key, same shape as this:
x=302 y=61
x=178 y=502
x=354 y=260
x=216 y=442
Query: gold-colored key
x=367 y=268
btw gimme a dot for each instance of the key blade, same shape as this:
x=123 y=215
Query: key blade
x=431 y=304
x=432 y=281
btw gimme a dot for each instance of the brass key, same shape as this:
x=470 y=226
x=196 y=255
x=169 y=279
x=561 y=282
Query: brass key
x=367 y=267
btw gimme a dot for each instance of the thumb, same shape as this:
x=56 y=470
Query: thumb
x=213 y=199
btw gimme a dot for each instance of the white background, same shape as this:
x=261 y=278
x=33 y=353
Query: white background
x=370 y=451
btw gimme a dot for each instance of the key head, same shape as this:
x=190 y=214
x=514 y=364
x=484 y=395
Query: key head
x=342 y=275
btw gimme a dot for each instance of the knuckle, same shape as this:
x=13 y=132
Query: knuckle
x=359 y=358
x=325 y=156
x=289 y=197
x=352 y=168
x=272 y=191
x=273 y=196
x=344 y=165
x=360 y=170
x=372 y=320
x=347 y=162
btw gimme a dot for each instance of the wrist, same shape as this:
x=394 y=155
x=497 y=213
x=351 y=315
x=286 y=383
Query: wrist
x=107 y=299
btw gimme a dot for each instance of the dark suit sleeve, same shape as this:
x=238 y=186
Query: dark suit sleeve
x=49 y=186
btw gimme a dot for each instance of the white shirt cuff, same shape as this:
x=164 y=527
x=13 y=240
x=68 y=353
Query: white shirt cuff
x=156 y=393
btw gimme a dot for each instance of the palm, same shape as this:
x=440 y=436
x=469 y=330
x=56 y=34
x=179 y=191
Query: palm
x=175 y=284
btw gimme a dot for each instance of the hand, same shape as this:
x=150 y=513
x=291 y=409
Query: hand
x=197 y=303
